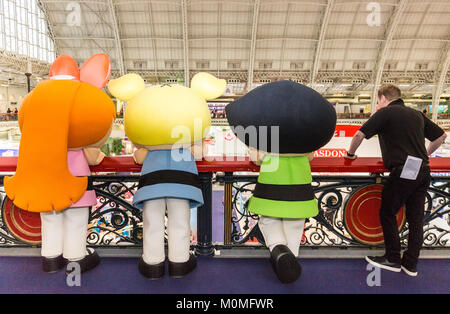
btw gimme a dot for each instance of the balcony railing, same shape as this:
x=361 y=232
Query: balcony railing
x=9 y=116
x=348 y=195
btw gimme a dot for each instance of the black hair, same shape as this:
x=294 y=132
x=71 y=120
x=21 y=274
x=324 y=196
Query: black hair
x=306 y=121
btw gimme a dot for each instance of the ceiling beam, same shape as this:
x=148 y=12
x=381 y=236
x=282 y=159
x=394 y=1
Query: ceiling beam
x=347 y=45
x=418 y=28
x=219 y=33
x=185 y=41
x=89 y=32
x=79 y=1
x=85 y=38
x=319 y=46
x=444 y=65
x=384 y=48
x=152 y=28
x=115 y=25
x=50 y=24
x=283 y=43
x=251 y=63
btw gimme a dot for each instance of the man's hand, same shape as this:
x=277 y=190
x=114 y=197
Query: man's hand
x=350 y=156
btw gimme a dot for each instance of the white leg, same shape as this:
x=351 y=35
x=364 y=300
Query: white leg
x=153 y=231
x=178 y=229
x=293 y=229
x=52 y=234
x=272 y=230
x=76 y=220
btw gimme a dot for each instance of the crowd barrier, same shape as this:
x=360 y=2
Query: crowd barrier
x=9 y=116
x=348 y=195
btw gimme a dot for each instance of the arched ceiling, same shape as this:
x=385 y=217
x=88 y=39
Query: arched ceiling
x=340 y=47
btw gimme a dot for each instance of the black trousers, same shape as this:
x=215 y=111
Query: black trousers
x=396 y=193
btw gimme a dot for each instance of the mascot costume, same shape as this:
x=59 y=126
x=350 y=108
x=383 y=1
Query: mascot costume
x=167 y=124
x=63 y=122
x=292 y=121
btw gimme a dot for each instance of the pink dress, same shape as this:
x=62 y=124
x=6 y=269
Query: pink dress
x=78 y=167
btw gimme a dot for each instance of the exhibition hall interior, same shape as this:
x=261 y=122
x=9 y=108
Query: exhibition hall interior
x=138 y=117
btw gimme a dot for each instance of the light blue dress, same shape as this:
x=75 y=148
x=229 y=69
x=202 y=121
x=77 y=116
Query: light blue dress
x=169 y=174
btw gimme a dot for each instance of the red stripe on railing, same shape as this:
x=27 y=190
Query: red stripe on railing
x=227 y=164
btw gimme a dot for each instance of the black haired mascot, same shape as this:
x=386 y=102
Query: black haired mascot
x=291 y=121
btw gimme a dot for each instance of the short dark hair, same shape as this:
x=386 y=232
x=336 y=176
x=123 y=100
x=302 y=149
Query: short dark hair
x=390 y=91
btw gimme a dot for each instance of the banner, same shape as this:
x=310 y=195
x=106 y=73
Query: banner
x=330 y=152
x=346 y=130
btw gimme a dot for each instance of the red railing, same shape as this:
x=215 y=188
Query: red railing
x=323 y=164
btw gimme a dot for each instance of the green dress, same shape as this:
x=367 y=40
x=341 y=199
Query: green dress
x=284 y=189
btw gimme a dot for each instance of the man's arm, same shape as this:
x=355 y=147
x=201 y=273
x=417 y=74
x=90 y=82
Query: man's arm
x=435 y=144
x=373 y=126
x=434 y=133
x=356 y=141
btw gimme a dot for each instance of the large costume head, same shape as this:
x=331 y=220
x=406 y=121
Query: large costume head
x=166 y=114
x=306 y=121
x=67 y=111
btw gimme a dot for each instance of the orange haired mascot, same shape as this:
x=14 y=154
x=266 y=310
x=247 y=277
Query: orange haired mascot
x=64 y=121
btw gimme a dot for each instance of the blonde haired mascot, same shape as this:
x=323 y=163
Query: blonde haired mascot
x=167 y=123
x=63 y=121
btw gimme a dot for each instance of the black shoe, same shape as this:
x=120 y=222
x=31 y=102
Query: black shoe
x=285 y=264
x=90 y=261
x=382 y=262
x=178 y=270
x=151 y=271
x=410 y=271
x=54 y=264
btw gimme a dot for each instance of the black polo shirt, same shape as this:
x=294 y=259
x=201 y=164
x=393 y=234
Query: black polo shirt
x=401 y=132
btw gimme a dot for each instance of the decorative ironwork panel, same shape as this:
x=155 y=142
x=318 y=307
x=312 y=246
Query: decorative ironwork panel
x=331 y=227
x=115 y=222
x=112 y=222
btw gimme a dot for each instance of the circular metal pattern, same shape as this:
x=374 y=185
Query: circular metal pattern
x=23 y=225
x=361 y=215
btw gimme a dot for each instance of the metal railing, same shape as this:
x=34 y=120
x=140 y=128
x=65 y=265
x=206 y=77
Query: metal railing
x=338 y=184
x=9 y=116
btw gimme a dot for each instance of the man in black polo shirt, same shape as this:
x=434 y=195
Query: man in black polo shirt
x=401 y=133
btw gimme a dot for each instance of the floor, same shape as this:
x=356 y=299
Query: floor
x=227 y=276
x=20 y=274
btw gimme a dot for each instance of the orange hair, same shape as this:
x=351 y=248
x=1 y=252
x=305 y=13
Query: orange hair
x=55 y=116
